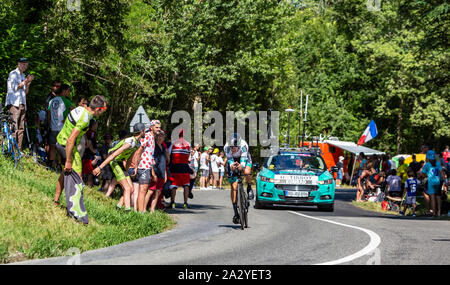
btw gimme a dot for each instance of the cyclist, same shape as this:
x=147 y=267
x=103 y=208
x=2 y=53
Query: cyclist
x=70 y=146
x=117 y=156
x=238 y=157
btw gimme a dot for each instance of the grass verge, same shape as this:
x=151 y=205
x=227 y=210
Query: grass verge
x=420 y=208
x=31 y=226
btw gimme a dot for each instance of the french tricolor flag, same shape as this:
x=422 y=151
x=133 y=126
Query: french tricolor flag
x=369 y=133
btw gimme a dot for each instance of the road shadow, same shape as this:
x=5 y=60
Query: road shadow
x=192 y=209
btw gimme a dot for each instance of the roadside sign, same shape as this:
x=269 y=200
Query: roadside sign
x=140 y=117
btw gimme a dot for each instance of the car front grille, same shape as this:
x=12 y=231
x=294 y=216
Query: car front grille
x=296 y=187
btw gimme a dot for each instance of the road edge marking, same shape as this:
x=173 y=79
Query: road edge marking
x=375 y=241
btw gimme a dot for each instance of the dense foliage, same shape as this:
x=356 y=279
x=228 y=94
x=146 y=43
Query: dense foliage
x=356 y=63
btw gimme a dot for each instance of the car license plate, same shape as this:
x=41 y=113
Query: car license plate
x=296 y=179
x=300 y=194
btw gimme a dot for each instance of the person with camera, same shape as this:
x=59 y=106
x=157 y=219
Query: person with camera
x=16 y=99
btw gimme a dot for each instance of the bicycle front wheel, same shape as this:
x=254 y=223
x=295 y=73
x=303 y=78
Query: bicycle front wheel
x=15 y=153
x=242 y=207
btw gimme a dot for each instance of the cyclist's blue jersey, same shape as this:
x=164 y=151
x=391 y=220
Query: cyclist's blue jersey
x=242 y=155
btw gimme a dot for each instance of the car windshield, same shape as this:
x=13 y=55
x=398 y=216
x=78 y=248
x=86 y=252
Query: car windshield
x=295 y=161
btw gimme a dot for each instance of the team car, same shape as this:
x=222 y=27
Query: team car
x=295 y=176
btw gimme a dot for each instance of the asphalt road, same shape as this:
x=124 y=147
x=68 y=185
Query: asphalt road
x=205 y=235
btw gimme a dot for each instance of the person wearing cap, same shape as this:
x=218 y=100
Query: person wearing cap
x=18 y=87
x=340 y=173
x=119 y=154
x=215 y=168
x=145 y=166
x=432 y=171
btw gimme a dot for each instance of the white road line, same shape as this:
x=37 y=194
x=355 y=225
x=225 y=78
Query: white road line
x=375 y=240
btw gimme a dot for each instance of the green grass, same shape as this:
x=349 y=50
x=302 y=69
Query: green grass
x=31 y=226
x=376 y=207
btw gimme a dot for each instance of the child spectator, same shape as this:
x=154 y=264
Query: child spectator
x=411 y=192
x=394 y=184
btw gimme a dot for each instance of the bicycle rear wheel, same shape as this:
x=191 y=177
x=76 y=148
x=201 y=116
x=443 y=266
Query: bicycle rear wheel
x=241 y=206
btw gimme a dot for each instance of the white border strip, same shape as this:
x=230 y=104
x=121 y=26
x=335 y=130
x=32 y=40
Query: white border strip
x=375 y=240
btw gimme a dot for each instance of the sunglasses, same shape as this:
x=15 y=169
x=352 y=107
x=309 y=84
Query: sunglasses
x=102 y=108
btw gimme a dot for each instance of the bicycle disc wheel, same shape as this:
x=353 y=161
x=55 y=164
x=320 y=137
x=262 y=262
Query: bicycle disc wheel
x=245 y=204
x=241 y=204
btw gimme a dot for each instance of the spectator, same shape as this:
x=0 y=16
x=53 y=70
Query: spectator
x=363 y=162
x=44 y=118
x=376 y=163
x=414 y=165
x=58 y=109
x=210 y=178
x=195 y=156
x=89 y=159
x=432 y=170
x=394 y=184
x=18 y=87
x=425 y=148
x=385 y=165
x=221 y=163
x=442 y=160
x=108 y=179
x=83 y=102
x=160 y=169
x=56 y=89
x=179 y=168
x=446 y=154
x=122 y=135
x=145 y=171
x=411 y=192
x=204 y=168
x=391 y=162
x=402 y=171
x=215 y=168
x=361 y=182
x=340 y=173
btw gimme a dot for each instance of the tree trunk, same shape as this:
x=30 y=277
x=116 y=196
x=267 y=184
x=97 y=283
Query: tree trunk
x=400 y=126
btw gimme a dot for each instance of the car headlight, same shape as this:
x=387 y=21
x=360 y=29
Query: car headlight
x=267 y=179
x=328 y=181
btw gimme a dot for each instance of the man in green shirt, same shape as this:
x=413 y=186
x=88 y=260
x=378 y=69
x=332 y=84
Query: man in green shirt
x=117 y=156
x=70 y=146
